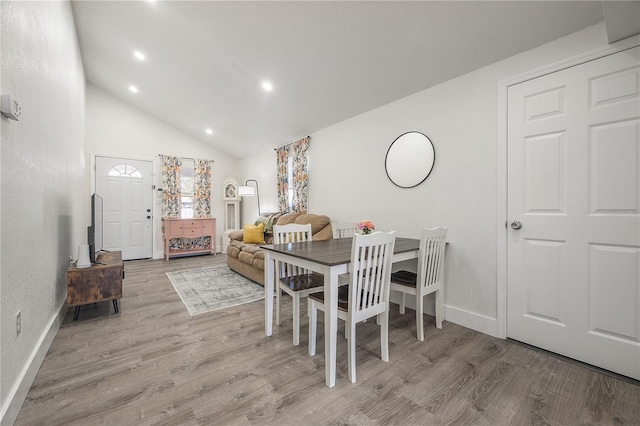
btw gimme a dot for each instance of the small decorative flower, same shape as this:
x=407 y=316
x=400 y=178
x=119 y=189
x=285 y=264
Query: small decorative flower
x=366 y=226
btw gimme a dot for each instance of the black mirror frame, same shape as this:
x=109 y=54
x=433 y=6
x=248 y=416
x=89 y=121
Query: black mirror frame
x=387 y=157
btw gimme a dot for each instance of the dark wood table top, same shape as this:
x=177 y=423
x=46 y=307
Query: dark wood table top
x=335 y=251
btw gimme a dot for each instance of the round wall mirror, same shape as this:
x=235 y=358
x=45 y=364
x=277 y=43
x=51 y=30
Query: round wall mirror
x=410 y=159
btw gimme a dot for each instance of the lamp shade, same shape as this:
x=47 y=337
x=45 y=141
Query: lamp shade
x=246 y=191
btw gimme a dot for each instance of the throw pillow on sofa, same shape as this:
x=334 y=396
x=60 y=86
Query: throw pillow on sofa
x=253 y=234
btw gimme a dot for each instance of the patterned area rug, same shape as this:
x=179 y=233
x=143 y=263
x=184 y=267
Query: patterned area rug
x=210 y=289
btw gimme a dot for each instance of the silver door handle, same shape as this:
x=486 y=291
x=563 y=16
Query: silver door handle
x=516 y=225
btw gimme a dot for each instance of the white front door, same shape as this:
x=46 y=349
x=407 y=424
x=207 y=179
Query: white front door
x=127 y=189
x=573 y=278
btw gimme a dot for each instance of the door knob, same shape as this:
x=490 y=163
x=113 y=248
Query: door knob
x=148 y=217
x=516 y=225
x=148 y=210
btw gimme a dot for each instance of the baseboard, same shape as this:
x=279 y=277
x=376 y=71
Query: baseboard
x=462 y=317
x=471 y=320
x=410 y=302
x=21 y=388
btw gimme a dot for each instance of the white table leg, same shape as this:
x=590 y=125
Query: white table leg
x=268 y=293
x=330 y=326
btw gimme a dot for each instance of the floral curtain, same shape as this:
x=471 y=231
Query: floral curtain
x=300 y=175
x=171 y=199
x=282 y=154
x=202 y=189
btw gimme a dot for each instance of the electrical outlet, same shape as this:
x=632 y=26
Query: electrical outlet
x=18 y=323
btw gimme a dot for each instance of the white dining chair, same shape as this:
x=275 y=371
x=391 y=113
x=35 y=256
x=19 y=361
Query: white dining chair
x=344 y=229
x=367 y=294
x=295 y=281
x=428 y=279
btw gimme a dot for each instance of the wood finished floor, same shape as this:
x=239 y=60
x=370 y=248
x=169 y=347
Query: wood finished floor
x=153 y=364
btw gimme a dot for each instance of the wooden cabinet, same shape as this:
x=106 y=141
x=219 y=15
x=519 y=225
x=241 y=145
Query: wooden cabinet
x=188 y=236
x=97 y=283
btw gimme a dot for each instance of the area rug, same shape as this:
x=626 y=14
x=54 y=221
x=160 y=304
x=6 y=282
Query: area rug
x=211 y=289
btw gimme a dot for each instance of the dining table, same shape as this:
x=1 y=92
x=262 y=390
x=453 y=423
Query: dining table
x=330 y=258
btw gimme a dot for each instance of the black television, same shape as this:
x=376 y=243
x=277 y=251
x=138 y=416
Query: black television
x=95 y=230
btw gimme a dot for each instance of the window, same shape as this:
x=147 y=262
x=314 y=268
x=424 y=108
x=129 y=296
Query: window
x=187 y=188
x=125 y=170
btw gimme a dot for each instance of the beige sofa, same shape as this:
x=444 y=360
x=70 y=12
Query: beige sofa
x=248 y=259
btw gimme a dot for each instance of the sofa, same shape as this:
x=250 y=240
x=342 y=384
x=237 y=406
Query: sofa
x=247 y=258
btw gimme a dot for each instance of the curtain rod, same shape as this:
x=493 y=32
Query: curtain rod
x=289 y=143
x=187 y=158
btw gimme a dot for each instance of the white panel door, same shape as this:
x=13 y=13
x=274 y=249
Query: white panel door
x=573 y=278
x=127 y=189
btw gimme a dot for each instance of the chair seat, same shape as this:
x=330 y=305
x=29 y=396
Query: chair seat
x=406 y=278
x=343 y=298
x=303 y=282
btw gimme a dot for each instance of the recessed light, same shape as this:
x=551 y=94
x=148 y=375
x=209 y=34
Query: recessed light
x=133 y=89
x=209 y=131
x=139 y=55
x=267 y=86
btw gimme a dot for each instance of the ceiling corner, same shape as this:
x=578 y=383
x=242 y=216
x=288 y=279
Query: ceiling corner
x=621 y=18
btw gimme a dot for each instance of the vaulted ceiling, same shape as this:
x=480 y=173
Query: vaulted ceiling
x=205 y=61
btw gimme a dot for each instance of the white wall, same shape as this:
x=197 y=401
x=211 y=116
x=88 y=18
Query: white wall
x=261 y=167
x=114 y=128
x=44 y=184
x=348 y=180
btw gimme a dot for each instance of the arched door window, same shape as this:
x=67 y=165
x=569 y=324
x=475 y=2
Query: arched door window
x=125 y=170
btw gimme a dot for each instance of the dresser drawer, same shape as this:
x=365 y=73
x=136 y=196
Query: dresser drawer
x=198 y=226
x=192 y=228
x=175 y=229
x=207 y=226
x=191 y=223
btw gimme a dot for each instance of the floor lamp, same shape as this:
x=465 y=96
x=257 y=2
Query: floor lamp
x=250 y=191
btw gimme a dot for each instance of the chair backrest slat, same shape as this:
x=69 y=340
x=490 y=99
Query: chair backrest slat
x=371 y=257
x=431 y=261
x=344 y=229
x=291 y=233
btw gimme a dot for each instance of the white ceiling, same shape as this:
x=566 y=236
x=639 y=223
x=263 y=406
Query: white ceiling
x=328 y=61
